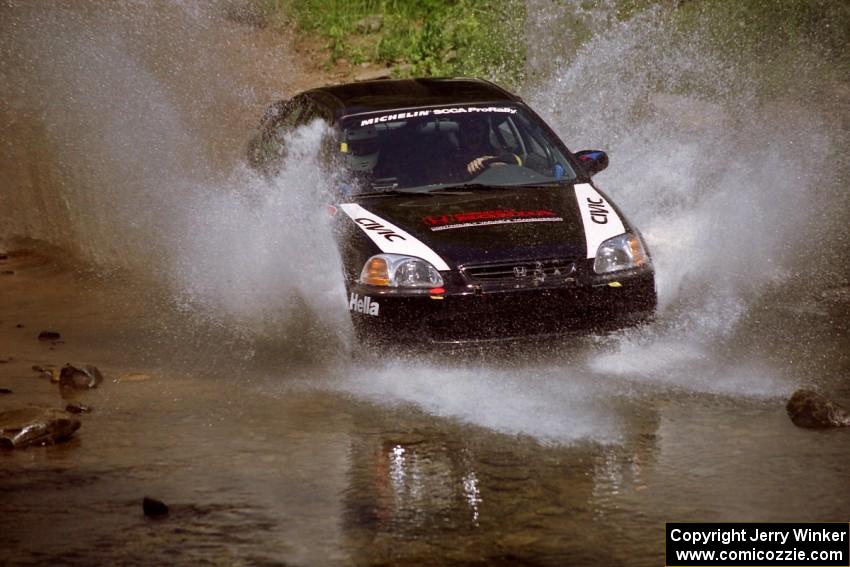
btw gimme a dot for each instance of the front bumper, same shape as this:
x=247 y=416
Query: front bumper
x=468 y=313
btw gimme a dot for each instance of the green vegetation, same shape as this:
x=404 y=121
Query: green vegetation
x=488 y=38
x=484 y=38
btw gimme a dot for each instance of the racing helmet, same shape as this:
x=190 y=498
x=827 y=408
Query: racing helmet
x=360 y=148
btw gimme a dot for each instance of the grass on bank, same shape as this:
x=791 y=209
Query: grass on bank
x=488 y=38
x=484 y=38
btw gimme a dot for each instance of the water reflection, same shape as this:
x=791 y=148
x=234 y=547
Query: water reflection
x=466 y=495
x=473 y=494
x=411 y=485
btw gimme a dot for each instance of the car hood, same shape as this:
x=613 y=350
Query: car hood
x=487 y=226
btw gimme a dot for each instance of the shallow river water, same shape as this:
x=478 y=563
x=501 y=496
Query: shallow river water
x=478 y=460
x=234 y=391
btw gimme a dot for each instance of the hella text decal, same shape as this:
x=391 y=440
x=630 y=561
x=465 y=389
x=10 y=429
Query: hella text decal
x=390 y=238
x=481 y=218
x=600 y=220
x=365 y=305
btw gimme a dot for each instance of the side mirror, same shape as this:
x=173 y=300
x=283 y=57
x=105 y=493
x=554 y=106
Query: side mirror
x=593 y=161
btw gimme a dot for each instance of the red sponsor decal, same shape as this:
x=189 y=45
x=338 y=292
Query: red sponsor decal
x=479 y=216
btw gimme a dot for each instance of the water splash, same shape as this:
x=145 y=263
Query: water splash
x=133 y=160
x=550 y=403
x=126 y=131
x=111 y=111
x=732 y=188
x=260 y=254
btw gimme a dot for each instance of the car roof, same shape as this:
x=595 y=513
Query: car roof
x=372 y=96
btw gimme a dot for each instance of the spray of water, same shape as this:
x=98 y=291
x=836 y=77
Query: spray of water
x=122 y=147
x=738 y=195
x=112 y=110
x=259 y=254
x=732 y=188
x=126 y=127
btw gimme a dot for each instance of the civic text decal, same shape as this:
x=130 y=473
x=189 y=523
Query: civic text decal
x=390 y=238
x=600 y=220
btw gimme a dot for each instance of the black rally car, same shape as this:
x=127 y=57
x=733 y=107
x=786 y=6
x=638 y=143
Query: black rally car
x=461 y=216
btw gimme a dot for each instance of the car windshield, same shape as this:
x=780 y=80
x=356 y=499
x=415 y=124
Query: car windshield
x=432 y=149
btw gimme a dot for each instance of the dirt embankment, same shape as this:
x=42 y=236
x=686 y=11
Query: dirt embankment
x=314 y=66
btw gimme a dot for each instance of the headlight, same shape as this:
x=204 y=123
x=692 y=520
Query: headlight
x=620 y=253
x=395 y=270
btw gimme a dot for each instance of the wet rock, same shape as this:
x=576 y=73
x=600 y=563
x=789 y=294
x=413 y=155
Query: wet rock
x=35 y=426
x=84 y=378
x=48 y=371
x=154 y=508
x=807 y=408
x=370 y=24
x=77 y=407
x=5 y=391
x=49 y=336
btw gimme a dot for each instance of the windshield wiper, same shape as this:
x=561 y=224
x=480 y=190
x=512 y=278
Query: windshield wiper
x=549 y=183
x=481 y=186
x=463 y=187
x=389 y=193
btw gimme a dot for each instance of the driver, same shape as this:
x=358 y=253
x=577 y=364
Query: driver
x=361 y=148
x=476 y=153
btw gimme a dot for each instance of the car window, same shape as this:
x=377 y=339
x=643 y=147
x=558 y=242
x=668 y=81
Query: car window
x=508 y=136
x=429 y=148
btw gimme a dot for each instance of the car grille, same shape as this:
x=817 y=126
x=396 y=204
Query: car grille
x=518 y=272
x=509 y=316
